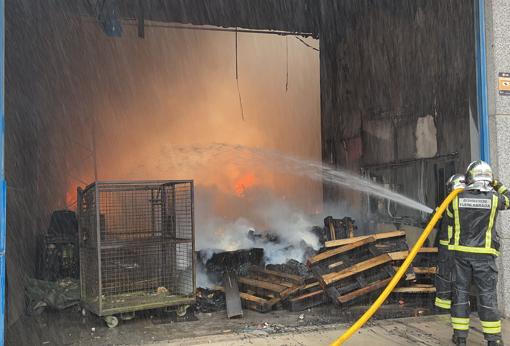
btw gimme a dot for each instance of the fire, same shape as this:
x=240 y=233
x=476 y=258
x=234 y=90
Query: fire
x=242 y=183
x=71 y=198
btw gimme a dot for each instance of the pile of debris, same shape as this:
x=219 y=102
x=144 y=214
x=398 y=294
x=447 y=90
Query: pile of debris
x=209 y=300
x=346 y=270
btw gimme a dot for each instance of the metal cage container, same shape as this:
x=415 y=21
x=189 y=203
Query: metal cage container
x=136 y=246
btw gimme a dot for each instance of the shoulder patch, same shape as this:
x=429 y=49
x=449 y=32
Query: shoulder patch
x=475 y=203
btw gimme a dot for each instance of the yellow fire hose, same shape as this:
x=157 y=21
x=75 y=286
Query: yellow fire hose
x=400 y=272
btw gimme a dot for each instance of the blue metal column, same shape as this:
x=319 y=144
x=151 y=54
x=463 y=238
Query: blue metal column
x=481 y=80
x=3 y=185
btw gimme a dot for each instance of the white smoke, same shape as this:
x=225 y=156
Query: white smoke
x=258 y=210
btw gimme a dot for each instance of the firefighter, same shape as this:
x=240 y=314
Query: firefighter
x=443 y=278
x=475 y=245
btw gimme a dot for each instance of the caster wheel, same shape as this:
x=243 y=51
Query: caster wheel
x=111 y=321
x=181 y=310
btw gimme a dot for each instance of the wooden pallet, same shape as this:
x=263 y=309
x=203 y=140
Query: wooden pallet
x=331 y=254
x=392 y=244
x=339 y=228
x=425 y=265
x=308 y=296
x=376 y=236
x=284 y=279
x=425 y=270
x=331 y=278
x=262 y=289
x=426 y=257
x=433 y=250
x=259 y=304
x=357 y=287
x=363 y=291
x=353 y=270
x=415 y=289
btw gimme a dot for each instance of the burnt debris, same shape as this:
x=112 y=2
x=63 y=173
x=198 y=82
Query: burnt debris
x=231 y=260
x=209 y=300
x=292 y=267
x=346 y=271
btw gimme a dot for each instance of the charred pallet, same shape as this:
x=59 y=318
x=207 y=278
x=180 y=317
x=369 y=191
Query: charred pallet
x=350 y=290
x=425 y=265
x=398 y=259
x=292 y=267
x=337 y=259
x=354 y=268
x=339 y=228
x=262 y=289
x=308 y=296
x=416 y=294
x=393 y=244
x=282 y=278
x=426 y=257
x=341 y=257
x=259 y=304
x=352 y=271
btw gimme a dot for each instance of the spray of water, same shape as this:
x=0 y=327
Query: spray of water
x=291 y=225
x=289 y=164
x=340 y=177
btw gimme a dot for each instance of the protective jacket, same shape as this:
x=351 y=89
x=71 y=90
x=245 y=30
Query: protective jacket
x=475 y=243
x=472 y=222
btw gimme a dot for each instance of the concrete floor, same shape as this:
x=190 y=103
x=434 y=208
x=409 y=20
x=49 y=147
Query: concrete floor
x=428 y=330
x=318 y=326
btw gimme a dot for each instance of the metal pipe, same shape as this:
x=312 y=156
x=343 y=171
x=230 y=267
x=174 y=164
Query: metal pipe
x=196 y=27
x=383 y=165
x=3 y=184
x=481 y=80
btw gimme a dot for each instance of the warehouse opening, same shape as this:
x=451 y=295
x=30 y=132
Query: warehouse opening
x=249 y=103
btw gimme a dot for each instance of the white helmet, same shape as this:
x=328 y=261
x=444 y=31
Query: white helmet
x=456 y=181
x=479 y=171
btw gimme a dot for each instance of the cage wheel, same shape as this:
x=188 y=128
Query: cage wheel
x=111 y=321
x=181 y=310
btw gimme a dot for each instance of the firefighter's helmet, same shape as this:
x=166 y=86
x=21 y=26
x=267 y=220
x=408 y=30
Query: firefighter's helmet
x=456 y=181
x=479 y=172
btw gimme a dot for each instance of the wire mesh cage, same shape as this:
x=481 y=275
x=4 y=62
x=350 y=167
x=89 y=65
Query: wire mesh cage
x=136 y=245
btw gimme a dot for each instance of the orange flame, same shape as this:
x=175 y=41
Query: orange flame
x=242 y=183
x=71 y=199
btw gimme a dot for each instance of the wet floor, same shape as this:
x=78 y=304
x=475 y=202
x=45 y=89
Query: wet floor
x=428 y=330
x=71 y=328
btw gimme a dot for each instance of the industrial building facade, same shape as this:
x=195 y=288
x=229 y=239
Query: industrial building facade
x=497 y=31
x=411 y=92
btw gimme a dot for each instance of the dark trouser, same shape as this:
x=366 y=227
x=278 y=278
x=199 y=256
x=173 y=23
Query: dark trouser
x=443 y=280
x=483 y=271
